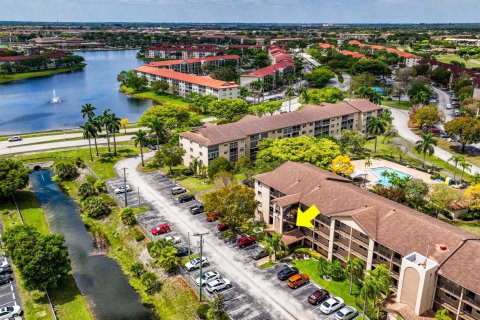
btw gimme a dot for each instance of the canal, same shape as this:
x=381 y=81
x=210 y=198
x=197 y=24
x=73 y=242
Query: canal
x=99 y=277
x=25 y=104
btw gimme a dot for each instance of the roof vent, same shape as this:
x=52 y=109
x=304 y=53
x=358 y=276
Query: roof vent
x=443 y=247
x=366 y=205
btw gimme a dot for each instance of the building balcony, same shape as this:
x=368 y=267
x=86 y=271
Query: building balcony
x=473 y=302
x=447 y=305
x=449 y=289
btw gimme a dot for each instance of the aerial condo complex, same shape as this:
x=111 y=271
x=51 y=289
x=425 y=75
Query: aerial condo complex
x=240 y=160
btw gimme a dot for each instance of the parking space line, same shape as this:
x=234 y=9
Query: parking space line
x=245 y=306
x=252 y=316
x=7 y=303
x=236 y=298
x=6 y=294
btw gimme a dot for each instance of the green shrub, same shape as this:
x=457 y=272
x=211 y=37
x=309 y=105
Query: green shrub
x=86 y=190
x=96 y=207
x=127 y=216
x=100 y=185
x=309 y=252
x=202 y=311
x=108 y=200
x=336 y=271
x=79 y=163
x=137 y=269
x=66 y=171
x=218 y=165
x=91 y=179
x=226 y=234
x=138 y=235
x=151 y=282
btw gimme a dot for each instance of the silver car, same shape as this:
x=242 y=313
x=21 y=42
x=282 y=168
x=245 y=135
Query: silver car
x=218 y=285
x=331 y=305
x=207 y=277
x=346 y=313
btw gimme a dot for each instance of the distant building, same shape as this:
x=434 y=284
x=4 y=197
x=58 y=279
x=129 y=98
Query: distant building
x=194 y=65
x=64 y=43
x=283 y=40
x=357 y=36
x=183 y=84
x=409 y=59
x=182 y=51
x=241 y=138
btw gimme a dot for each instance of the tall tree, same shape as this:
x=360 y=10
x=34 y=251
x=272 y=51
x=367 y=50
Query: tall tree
x=355 y=270
x=89 y=132
x=105 y=120
x=455 y=159
x=88 y=110
x=140 y=140
x=169 y=155
x=425 y=145
x=97 y=124
x=13 y=177
x=375 y=127
x=465 y=167
x=114 y=127
x=156 y=126
x=290 y=92
x=464 y=130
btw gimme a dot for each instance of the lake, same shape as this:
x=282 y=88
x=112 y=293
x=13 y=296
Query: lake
x=25 y=104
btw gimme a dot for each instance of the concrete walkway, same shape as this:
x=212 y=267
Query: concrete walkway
x=400 y=121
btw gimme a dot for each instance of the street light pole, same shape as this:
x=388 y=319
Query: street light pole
x=197 y=234
x=125 y=185
x=138 y=188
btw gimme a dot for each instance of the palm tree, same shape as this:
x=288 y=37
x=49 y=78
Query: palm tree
x=88 y=110
x=425 y=145
x=156 y=126
x=89 y=132
x=140 y=139
x=368 y=163
x=421 y=97
x=274 y=244
x=465 y=167
x=290 y=92
x=456 y=159
x=475 y=178
x=113 y=127
x=97 y=123
x=104 y=118
x=257 y=87
x=386 y=115
x=375 y=127
x=381 y=275
x=369 y=290
x=304 y=96
x=355 y=269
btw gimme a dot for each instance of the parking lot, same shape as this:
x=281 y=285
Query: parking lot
x=134 y=200
x=8 y=292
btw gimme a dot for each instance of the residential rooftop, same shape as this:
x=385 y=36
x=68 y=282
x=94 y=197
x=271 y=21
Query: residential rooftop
x=167 y=63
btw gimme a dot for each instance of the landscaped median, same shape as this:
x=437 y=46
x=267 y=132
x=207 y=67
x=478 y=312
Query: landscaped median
x=67 y=299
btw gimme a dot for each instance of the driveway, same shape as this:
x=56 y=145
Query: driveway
x=268 y=299
x=400 y=121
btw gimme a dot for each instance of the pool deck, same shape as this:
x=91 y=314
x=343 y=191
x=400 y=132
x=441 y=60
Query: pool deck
x=371 y=178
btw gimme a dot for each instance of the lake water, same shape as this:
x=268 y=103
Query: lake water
x=99 y=278
x=25 y=105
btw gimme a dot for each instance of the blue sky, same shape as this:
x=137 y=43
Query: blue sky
x=281 y=11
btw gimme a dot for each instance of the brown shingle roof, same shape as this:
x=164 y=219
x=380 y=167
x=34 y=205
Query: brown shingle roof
x=395 y=226
x=250 y=125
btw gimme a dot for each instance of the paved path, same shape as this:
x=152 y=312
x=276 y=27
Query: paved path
x=240 y=270
x=400 y=121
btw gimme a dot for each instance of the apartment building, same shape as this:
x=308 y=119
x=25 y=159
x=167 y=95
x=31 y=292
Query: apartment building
x=241 y=138
x=183 y=83
x=182 y=51
x=434 y=265
x=195 y=65
x=409 y=59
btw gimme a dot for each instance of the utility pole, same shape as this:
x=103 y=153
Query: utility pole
x=197 y=234
x=125 y=185
x=138 y=188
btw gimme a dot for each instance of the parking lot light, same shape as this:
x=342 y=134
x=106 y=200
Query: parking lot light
x=197 y=234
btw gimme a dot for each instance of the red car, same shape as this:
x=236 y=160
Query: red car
x=161 y=229
x=213 y=216
x=222 y=226
x=245 y=240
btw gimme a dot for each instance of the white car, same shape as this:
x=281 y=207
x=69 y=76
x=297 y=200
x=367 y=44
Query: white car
x=207 y=277
x=195 y=264
x=178 y=190
x=122 y=189
x=9 y=312
x=449 y=106
x=4 y=263
x=14 y=138
x=331 y=304
x=346 y=313
x=218 y=285
x=174 y=239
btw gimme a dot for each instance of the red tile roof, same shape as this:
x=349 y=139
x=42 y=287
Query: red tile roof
x=190 y=78
x=167 y=63
x=355 y=55
x=400 y=53
x=263 y=72
x=326 y=46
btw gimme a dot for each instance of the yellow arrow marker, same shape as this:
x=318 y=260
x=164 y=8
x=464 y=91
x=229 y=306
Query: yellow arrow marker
x=304 y=219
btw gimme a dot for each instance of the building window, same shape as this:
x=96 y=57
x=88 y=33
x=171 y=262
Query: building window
x=259 y=193
x=213 y=152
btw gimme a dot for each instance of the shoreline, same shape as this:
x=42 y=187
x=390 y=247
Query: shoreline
x=8 y=78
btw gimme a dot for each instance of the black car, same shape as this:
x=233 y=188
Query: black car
x=182 y=252
x=318 y=296
x=186 y=198
x=286 y=273
x=5 y=278
x=6 y=269
x=197 y=208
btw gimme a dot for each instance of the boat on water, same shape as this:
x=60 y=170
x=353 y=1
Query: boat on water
x=55 y=99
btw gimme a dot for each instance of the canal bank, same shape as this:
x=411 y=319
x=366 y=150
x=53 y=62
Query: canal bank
x=99 y=278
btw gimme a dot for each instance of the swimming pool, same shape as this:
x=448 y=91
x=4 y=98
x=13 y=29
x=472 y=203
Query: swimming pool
x=386 y=180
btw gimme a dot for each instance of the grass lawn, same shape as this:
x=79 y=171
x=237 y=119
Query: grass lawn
x=67 y=299
x=340 y=289
x=268 y=264
x=157 y=98
x=447 y=146
x=26 y=75
x=472 y=226
x=448 y=58
x=405 y=105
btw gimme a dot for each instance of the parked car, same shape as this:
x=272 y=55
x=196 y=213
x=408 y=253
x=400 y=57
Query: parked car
x=331 y=305
x=186 y=198
x=449 y=106
x=222 y=226
x=195 y=263
x=286 y=273
x=5 y=278
x=434 y=130
x=14 y=138
x=457 y=113
x=122 y=189
x=318 y=296
x=9 y=312
x=298 y=280
x=4 y=263
x=161 y=229
x=178 y=190
x=6 y=269
x=346 y=313
x=197 y=208
x=245 y=240
x=174 y=239
x=182 y=252
x=213 y=216
x=207 y=277
x=443 y=135
x=259 y=253
x=218 y=285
